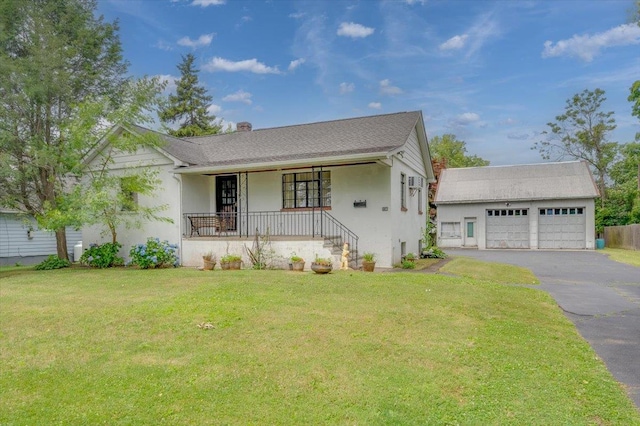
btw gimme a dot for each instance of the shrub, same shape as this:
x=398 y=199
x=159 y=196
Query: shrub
x=52 y=262
x=407 y=264
x=104 y=256
x=322 y=261
x=154 y=254
x=435 y=253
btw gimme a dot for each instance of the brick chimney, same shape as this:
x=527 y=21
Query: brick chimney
x=243 y=126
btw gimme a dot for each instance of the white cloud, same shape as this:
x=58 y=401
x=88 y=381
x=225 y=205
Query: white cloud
x=586 y=47
x=466 y=118
x=251 y=65
x=214 y=109
x=482 y=30
x=455 y=42
x=296 y=63
x=161 y=44
x=518 y=136
x=347 y=88
x=205 y=3
x=387 y=89
x=297 y=15
x=375 y=105
x=203 y=40
x=170 y=80
x=508 y=122
x=239 y=96
x=351 y=29
x=423 y=2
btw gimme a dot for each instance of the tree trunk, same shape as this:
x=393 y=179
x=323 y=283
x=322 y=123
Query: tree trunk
x=61 y=243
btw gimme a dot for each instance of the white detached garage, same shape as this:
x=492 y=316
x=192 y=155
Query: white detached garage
x=533 y=206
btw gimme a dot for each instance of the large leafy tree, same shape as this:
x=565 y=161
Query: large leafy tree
x=103 y=197
x=53 y=54
x=448 y=147
x=189 y=106
x=582 y=133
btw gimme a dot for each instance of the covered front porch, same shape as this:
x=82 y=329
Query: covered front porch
x=307 y=233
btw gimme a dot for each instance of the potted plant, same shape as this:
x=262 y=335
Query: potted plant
x=296 y=262
x=410 y=257
x=368 y=262
x=209 y=260
x=321 y=265
x=231 y=261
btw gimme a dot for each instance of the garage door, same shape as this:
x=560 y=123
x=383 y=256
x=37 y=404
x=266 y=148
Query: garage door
x=562 y=228
x=508 y=228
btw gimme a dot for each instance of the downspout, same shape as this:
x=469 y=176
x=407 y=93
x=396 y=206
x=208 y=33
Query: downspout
x=178 y=177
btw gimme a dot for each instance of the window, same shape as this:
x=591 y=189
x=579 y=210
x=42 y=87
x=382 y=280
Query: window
x=450 y=230
x=128 y=198
x=562 y=211
x=403 y=191
x=510 y=212
x=308 y=189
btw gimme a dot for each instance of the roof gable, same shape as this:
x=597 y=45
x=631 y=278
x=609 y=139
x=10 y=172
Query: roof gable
x=564 y=180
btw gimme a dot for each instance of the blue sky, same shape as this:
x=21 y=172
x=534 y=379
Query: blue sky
x=491 y=72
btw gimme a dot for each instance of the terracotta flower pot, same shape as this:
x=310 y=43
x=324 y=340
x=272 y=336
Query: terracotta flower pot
x=368 y=266
x=298 y=266
x=209 y=265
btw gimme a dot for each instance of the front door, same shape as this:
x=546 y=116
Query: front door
x=226 y=200
x=470 y=239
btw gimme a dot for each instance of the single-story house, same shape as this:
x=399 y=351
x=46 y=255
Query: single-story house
x=309 y=187
x=533 y=206
x=21 y=241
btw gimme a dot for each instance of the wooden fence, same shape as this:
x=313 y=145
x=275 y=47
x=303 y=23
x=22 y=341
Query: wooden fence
x=626 y=237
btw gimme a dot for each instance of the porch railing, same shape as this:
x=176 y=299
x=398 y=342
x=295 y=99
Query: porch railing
x=312 y=223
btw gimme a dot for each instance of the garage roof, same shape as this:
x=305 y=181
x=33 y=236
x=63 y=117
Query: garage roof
x=544 y=181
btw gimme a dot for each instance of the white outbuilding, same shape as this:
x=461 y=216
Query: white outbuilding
x=533 y=206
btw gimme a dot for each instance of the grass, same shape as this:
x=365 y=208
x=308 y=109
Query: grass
x=489 y=271
x=185 y=347
x=631 y=257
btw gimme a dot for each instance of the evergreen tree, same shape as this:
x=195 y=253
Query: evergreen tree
x=189 y=106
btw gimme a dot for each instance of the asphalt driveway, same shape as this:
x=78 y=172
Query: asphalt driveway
x=600 y=296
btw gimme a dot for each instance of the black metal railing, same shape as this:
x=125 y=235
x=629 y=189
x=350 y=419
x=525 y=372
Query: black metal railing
x=311 y=223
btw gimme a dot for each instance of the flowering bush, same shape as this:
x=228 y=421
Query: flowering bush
x=104 y=256
x=154 y=254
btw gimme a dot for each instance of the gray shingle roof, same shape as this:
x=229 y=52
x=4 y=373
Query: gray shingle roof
x=183 y=150
x=339 y=138
x=571 y=179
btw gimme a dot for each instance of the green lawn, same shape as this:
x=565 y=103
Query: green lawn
x=631 y=257
x=124 y=346
x=489 y=271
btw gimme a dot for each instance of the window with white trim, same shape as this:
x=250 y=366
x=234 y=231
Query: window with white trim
x=450 y=230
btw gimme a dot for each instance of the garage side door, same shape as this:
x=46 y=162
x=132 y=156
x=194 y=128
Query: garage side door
x=562 y=228
x=508 y=228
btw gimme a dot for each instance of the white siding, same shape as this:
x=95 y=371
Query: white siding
x=15 y=242
x=457 y=213
x=412 y=155
x=168 y=193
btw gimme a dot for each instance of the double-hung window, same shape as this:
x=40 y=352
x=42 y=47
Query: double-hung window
x=307 y=189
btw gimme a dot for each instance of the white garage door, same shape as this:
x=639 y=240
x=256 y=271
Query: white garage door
x=562 y=228
x=508 y=228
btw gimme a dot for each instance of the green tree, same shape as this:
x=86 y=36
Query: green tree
x=53 y=54
x=189 y=106
x=454 y=152
x=581 y=133
x=104 y=197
